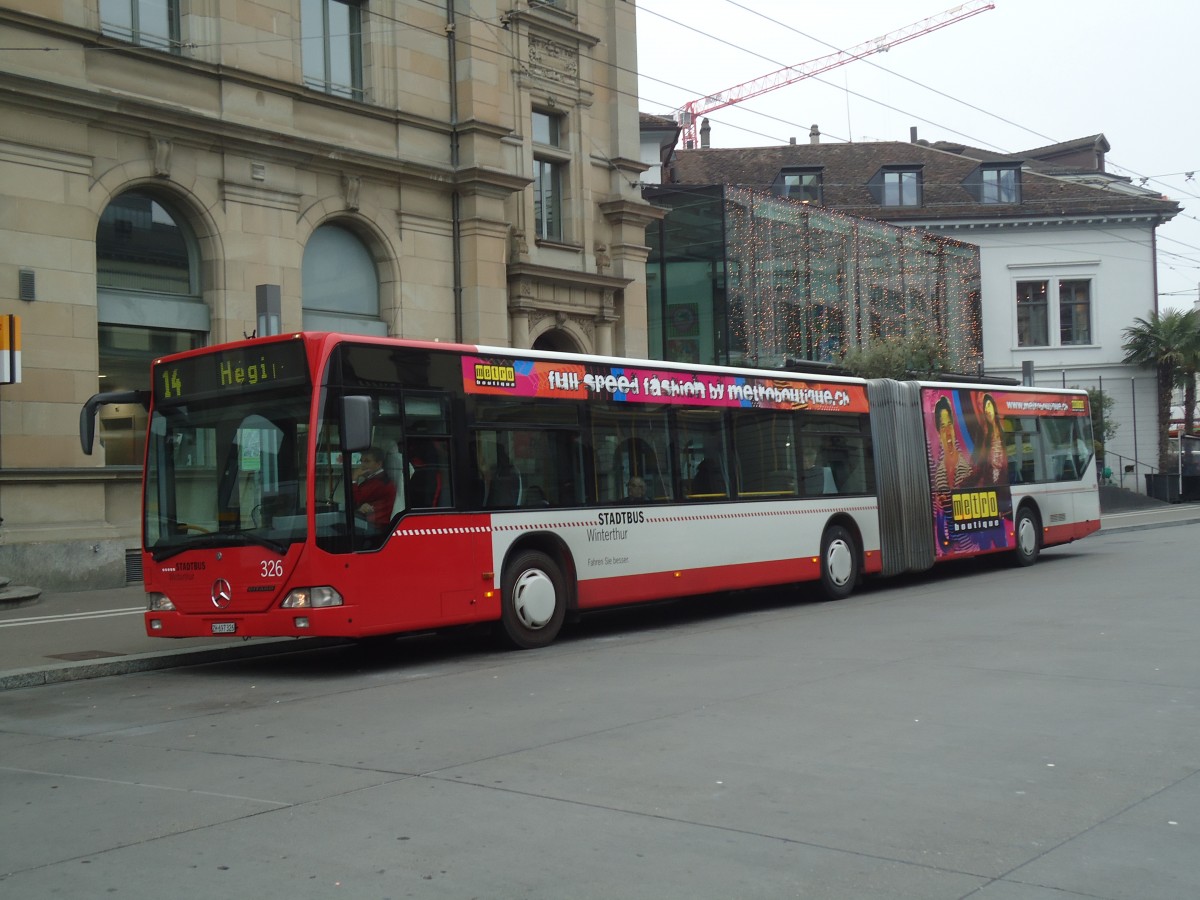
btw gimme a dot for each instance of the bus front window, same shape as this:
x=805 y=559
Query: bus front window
x=221 y=472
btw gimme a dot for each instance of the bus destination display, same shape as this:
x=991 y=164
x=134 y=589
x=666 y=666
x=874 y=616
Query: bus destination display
x=230 y=371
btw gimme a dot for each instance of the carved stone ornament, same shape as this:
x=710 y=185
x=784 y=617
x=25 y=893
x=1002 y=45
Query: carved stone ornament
x=162 y=157
x=603 y=260
x=553 y=61
x=542 y=321
x=351 y=185
x=518 y=247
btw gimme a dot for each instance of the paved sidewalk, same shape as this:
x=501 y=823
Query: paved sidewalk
x=88 y=634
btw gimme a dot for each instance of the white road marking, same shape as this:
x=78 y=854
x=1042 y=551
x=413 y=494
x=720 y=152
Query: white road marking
x=73 y=617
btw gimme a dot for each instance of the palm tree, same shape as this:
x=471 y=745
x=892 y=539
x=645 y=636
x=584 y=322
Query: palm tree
x=1168 y=343
x=1191 y=365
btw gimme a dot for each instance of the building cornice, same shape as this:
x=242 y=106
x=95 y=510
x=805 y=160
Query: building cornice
x=494 y=182
x=566 y=277
x=1079 y=221
x=631 y=212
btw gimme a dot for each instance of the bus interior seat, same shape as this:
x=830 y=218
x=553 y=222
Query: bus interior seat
x=534 y=496
x=854 y=480
x=709 y=481
x=781 y=482
x=505 y=489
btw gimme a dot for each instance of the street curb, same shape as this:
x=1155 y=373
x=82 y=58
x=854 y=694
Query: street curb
x=1146 y=526
x=61 y=673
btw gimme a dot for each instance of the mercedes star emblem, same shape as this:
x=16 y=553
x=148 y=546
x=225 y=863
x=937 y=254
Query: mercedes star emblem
x=222 y=593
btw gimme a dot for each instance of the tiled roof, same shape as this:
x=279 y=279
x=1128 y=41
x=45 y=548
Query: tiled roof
x=649 y=120
x=846 y=170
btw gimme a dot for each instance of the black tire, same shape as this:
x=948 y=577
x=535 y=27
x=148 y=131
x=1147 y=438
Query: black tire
x=839 y=563
x=533 y=604
x=1029 y=537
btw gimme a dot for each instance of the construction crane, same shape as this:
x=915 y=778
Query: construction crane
x=691 y=111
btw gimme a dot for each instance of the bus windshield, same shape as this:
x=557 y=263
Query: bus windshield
x=227 y=471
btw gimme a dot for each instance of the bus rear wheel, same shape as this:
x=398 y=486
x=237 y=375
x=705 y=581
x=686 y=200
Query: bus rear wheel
x=1029 y=538
x=839 y=563
x=534 y=600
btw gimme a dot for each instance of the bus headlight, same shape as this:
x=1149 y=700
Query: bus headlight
x=312 y=598
x=156 y=602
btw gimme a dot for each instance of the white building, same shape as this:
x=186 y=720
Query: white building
x=1067 y=251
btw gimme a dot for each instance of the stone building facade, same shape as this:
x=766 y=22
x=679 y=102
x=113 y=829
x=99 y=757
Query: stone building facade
x=184 y=174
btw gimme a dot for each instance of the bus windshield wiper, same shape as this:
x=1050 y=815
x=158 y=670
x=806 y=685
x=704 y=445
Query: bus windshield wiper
x=240 y=537
x=249 y=537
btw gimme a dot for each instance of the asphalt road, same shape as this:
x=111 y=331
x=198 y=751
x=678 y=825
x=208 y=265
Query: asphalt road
x=980 y=731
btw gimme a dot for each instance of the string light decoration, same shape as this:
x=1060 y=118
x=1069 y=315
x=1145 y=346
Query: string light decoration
x=809 y=283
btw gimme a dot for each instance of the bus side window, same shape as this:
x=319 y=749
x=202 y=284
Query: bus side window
x=427 y=461
x=630 y=443
x=856 y=472
x=764 y=445
x=704 y=464
x=429 y=474
x=816 y=474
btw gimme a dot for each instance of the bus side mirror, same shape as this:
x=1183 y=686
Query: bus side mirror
x=356 y=423
x=87 y=415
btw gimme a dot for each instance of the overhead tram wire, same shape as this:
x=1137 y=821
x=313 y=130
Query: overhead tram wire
x=976 y=141
x=885 y=69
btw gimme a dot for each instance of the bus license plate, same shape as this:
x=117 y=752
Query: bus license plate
x=224 y=627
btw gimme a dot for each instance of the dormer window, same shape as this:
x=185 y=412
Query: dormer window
x=800 y=184
x=1000 y=184
x=899 y=186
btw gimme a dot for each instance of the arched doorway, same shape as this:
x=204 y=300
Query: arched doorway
x=557 y=340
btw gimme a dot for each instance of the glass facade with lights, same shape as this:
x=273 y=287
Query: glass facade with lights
x=741 y=277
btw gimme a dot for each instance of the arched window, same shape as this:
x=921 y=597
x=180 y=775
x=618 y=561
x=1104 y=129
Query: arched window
x=148 y=304
x=340 y=284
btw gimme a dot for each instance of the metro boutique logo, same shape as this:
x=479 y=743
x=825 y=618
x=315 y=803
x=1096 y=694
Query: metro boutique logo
x=493 y=375
x=976 y=510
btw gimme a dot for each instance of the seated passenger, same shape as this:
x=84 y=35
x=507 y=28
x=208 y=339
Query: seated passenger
x=637 y=491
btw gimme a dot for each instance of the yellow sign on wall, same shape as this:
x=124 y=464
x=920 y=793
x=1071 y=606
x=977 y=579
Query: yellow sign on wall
x=10 y=349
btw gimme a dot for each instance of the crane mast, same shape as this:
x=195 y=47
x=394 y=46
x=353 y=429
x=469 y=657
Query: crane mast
x=689 y=115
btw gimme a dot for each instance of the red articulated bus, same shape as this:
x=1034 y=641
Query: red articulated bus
x=339 y=485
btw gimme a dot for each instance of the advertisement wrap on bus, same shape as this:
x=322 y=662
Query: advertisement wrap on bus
x=319 y=484
x=981 y=446
x=536 y=378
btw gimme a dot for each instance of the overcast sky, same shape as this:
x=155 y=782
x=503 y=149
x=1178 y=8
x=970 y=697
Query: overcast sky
x=1021 y=75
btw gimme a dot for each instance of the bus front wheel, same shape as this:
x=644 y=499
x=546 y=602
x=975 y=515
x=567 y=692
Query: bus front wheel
x=839 y=563
x=534 y=600
x=1029 y=539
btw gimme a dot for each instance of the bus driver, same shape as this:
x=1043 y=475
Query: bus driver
x=374 y=492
